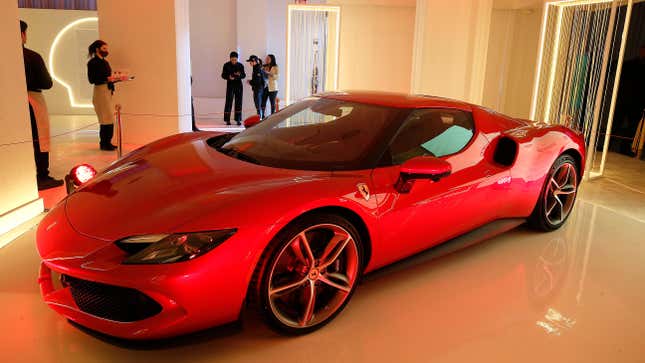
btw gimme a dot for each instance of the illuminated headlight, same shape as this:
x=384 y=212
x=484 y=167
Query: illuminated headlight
x=164 y=248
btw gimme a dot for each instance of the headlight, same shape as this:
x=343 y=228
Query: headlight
x=164 y=248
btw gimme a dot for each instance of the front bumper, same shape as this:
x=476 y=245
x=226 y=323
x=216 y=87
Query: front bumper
x=193 y=295
x=166 y=323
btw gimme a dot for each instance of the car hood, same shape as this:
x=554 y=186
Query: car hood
x=160 y=187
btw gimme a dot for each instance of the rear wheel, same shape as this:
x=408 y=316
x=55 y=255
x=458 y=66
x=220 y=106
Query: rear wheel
x=313 y=270
x=558 y=195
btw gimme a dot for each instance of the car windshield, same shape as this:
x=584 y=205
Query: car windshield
x=318 y=134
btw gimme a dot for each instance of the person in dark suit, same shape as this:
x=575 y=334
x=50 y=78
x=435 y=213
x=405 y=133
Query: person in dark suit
x=233 y=73
x=38 y=79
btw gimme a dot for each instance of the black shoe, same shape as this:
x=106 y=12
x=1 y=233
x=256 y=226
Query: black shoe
x=239 y=123
x=228 y=123
x=108 y=147
x=47 y=182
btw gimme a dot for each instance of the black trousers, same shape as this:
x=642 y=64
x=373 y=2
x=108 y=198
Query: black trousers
x=271 y=96
x=42 y=158
x=258 y=97
x=233 y=91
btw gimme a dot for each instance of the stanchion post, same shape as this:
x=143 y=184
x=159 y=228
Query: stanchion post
x=119 y=134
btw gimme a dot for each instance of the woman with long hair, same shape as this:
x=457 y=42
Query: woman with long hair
x=271 y=90
x=99 y=73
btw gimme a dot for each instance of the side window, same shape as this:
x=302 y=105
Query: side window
x=434 y=132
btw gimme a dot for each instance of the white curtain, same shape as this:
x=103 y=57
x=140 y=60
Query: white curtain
x=307 y=29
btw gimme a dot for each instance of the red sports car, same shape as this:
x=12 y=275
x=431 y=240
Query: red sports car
x=178 y=235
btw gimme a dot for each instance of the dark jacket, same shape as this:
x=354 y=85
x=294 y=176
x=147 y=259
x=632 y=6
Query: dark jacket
x=38 y=77
x=235 y=70
x=258 y=80
x=98 y=71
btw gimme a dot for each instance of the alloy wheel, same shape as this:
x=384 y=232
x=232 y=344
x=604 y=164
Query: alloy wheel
x=560 y=194
x=313 y=275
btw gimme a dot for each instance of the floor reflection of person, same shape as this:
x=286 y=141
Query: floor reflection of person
x=99 y=73
x=233 y=73
x=271 y=90
x=38 y=79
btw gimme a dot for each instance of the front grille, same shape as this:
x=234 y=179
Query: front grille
x=111 y=302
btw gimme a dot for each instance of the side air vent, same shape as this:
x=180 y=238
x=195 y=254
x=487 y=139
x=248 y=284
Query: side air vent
x=505 y=151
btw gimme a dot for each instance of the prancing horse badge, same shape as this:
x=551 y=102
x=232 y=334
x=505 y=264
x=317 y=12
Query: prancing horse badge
x=364 y=190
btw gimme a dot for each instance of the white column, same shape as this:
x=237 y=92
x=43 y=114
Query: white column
x=454 y=43
x=19 y=200
x=150 y=40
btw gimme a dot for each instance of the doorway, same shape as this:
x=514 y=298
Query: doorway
x=583 y=46
x=313 y=33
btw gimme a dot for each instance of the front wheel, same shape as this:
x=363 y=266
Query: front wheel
x=558 y=195
x=311 y=273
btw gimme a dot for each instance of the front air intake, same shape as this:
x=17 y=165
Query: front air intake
x=111 y=302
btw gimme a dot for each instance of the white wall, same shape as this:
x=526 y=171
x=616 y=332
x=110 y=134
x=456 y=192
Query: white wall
x=19 y=197
x=499 y=54
x=521 y=73
x=157 y=52
x=71 y=54
x=453 y=40
x=277 y=37
x=512 y=55
x=213 y=35
x=252 y=35
x=376 y=41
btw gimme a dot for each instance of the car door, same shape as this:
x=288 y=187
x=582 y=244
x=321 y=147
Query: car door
x=433 y=212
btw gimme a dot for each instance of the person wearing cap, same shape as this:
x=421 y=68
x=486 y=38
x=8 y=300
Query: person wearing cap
x=257 y=83
x=233 y=73
x=38 y=79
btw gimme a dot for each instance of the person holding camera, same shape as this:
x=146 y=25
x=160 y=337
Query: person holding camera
x=257 y=83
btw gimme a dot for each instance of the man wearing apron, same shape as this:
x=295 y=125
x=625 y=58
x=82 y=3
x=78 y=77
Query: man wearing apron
x=38 y=79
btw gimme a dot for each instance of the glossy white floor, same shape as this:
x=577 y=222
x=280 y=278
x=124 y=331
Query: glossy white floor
x=573 y=295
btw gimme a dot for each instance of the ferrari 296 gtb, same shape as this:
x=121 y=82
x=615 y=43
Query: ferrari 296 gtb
x=182 y=233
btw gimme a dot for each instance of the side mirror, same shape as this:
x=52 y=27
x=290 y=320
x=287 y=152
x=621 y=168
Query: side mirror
x=252 y=121
x=421 y=167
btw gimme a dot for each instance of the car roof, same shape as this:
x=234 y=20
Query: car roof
x=396 y=100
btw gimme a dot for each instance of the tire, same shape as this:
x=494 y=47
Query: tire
x=287 y=278
x=558 y=195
